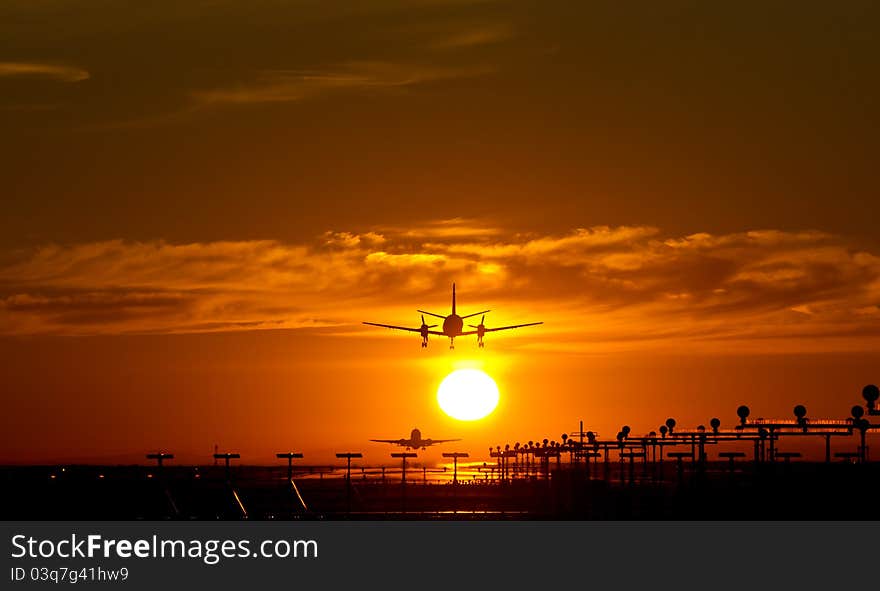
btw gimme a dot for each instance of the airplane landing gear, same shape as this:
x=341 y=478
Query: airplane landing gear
x=451 y=344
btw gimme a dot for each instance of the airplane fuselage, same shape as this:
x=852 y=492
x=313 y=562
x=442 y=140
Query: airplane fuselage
x=415 y=440
x=452 y=325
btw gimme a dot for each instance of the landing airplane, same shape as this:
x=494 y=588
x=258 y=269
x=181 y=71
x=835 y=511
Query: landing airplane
x=415 y=441
x=452 y=326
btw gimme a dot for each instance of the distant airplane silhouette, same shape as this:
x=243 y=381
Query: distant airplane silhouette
x=452 y=326
x=415 y=441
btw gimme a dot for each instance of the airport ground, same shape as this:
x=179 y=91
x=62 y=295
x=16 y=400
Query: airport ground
x=613 y=491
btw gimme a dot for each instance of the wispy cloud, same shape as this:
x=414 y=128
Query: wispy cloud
x=599 y=287
x=58 y=72
x=445 y=229
x=476 y=37
x=277 y=86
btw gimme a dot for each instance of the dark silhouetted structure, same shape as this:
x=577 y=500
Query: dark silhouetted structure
x=453 y=325
x=415 y=441
x=455 y=455
x=226 y=457
x=348 y=456
x=289 y=456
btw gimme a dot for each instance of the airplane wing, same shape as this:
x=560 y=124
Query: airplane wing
x=394 y=441
x=476 y=314
x=397 y=327
x=502 y=328
x=436 y=441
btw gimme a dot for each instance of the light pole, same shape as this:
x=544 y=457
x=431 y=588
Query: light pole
x=289 y=456
x=160 y=457
x=226 y=457
x=862 y=424
x=403 y=456
x=348 y=457
x=455 y=455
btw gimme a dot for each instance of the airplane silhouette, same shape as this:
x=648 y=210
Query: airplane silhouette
x=452 y=326
x=415 y=441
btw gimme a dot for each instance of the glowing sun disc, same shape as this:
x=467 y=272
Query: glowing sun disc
x=467 y=394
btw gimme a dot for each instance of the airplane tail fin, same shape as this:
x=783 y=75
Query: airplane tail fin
x=453 y=298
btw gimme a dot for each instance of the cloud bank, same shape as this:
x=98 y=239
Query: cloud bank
x=43 y=70
x=595 y=287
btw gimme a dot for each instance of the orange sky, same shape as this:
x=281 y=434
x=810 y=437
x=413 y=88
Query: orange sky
x=202 y=202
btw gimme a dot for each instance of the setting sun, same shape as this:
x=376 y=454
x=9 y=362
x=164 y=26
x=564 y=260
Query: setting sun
x=467 y=394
